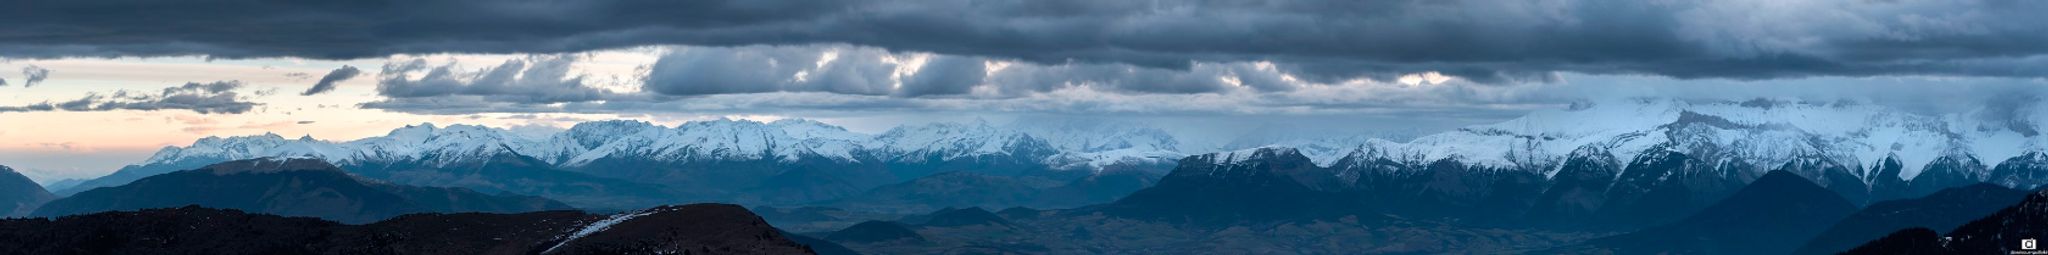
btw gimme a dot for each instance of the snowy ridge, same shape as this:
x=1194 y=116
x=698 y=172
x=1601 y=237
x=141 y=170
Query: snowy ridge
x=948 y=141
x=1764 y=133
x=425 y=142
x=1096 y=135
x=1230 y=158
x=1096 y=143
x=741 y=140
x=1767 y=133
x=716 y=140
x=599 y=226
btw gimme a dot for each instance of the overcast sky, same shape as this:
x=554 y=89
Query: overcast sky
x=93 y=85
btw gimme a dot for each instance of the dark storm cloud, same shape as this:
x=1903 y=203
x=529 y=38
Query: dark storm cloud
x=337 y=76
x=756 y=69
x=532 y=80
x=946 y=75
x=32 y=75
x=1486 y=41
x=856 y=70
x=856 y=78
x=204 y=98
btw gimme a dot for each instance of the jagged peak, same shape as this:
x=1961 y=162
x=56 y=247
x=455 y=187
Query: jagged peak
x=2034 y=155
x=980 y=138
x=1591 y=150
x=613 y=123
x=216 y=140
x=461 y=126
x=1093 y=134
x=721 y=121
x=1248 y=155
x=422 y=129
x=2024 y=157
x=422 y=126
x=1958 y=159
x=1370 y=149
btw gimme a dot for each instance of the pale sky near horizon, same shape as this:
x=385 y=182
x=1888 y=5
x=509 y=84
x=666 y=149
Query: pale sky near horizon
x=74 y=144
x=50 y=145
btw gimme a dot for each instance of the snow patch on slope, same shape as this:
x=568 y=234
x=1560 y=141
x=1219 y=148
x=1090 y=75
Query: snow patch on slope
x=598 y=226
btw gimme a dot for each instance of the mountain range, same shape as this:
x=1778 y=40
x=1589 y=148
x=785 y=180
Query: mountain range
x=1616 y=160
x=781 y=162
x=19 y=195
x=289 y=187
x=1656 y=168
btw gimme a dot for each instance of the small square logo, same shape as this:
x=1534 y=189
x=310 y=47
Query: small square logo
x=2028 y=244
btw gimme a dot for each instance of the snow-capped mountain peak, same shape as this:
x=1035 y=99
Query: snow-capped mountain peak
x=713 y=140
x=948 y=141
x=1765 y=132
x=1228 y=158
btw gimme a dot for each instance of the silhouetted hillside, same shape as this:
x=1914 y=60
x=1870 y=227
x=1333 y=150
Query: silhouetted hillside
x=291 y=187
x=695 y=229
x=19 y=195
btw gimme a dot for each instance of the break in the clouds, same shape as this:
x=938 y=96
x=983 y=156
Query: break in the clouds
x=1326 y=41
x=328 y=81
x=204 y=98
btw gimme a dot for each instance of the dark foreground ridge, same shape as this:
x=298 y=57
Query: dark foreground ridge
x=1946 y=209
x=1999 y=233
x=1773 y=215
x=686 y=229
x=289 y=187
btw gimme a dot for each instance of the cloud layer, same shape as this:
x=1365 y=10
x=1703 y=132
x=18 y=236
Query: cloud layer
x=532 y=80
x=32 y=75
x=204 y=98
x=844 y=80
x=833 y=79
x=1325 y=40
x=328 y=81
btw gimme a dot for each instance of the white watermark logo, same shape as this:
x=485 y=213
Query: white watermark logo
x=2029 y=246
